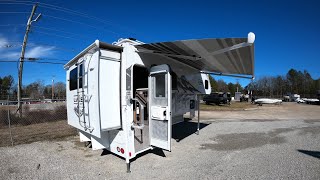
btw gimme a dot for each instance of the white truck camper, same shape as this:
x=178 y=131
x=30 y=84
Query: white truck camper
x=124 y=97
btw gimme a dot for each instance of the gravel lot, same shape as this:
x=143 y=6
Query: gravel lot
x=268 y=142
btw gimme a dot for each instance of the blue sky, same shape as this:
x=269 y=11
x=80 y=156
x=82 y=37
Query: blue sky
x=287 y=32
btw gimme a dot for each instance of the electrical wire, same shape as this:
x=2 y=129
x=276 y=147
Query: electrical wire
x=77 y=13
x=40 y=62
x=16 y=3
x=47 y=59
x=10 y=46
x=54 y=46
x=12 y=25
x=68 y=20
x=70 y=11
x=58 y=30
x=14 y=12
x=50 y=34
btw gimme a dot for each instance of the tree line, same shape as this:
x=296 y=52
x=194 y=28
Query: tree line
x=36 y=90
x=294 y=82
x=221 y=86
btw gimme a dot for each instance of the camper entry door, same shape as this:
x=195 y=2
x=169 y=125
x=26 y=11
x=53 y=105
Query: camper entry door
x=160 y=106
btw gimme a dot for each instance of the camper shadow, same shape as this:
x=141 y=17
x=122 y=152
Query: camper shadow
x=184 y=129
x=180 y=131
x=315 y=154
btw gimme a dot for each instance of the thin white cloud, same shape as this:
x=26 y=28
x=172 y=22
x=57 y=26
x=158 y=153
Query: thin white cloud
x=31 y=52
x=10 y=55
x=3 y=41
x=39 y=51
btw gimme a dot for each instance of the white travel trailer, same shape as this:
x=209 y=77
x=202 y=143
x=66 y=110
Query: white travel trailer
x=125 y=96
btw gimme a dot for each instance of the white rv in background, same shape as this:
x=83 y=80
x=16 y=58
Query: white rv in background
x=125 y=96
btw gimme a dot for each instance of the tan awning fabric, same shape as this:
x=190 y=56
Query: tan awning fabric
x=228 y=55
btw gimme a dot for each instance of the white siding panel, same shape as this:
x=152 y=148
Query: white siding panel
x=110 y=94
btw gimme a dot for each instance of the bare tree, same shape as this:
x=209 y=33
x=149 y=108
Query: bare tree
x=60 y=90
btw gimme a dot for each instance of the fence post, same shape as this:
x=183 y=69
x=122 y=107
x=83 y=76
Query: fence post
x=9 y=120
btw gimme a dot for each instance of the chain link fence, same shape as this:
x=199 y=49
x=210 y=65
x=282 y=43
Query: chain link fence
x=39 y=120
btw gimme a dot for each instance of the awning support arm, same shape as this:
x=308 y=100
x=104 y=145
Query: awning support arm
x=225 y=74
x=237 y=46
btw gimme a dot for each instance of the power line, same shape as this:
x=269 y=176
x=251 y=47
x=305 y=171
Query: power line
x=12 y=24
x=32 y=44
x=10 y=45
x=73 y=12
x=15 y=3
x=70 y=11
x=12 y=12
x=53 y=45
x=68 y=20
x=40 y=62
x=50 y=34
x=47 y=59
x=58 y=30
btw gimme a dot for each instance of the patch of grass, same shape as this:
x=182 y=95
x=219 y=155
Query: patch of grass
x=234 y=106
x=49 y=131
x=32 y=116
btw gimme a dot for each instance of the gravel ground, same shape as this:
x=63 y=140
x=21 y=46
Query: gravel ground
x=270 y=142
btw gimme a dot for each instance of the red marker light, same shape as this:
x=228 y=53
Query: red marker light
x=122 y=150
x=130 y=154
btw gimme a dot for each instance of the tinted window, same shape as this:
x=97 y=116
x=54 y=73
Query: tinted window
x=192 y=104
x=206 y=84
x=73 y=78
x=160 y=85
x=174 y=80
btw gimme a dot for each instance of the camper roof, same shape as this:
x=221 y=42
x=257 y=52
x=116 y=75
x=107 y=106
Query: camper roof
x=219 y=56
x=92 y=47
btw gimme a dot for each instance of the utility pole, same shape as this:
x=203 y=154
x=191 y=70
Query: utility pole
x=52 y=89
x=24 y=44
x=237 y=85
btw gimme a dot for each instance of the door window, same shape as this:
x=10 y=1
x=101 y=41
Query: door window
x=160 y=85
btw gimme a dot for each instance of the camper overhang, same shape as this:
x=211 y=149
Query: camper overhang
x=91 y=48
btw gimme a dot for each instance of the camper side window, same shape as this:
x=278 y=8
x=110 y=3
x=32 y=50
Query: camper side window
x=206 y=84
x=73 y=78
x=160 y=85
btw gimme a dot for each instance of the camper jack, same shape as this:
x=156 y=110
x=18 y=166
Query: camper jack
x=125 y=96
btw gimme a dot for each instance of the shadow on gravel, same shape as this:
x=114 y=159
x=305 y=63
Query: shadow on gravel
x=185 y=129
x=156 y=151
x=239 y=141
x=315 y=154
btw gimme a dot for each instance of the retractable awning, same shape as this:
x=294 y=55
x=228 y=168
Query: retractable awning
x=233 y=56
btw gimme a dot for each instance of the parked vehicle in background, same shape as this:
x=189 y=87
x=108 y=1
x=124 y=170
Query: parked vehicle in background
x=267 y=101
x=293 y=97
x=216 y=98
x=286 y=98
x=244 y=98
x=228 y=95
x=298 y=100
